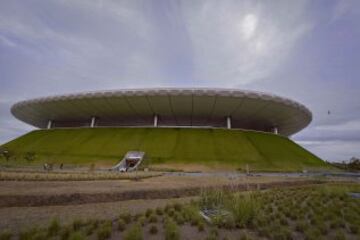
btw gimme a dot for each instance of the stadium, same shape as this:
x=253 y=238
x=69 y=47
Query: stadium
x=212 y=127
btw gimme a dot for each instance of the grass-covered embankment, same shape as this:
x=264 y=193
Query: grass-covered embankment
x=210 y=147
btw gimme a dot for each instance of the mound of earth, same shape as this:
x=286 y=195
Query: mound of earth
x=236 y=149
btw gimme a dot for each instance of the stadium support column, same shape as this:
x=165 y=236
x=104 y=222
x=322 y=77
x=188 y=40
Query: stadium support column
x=228 y=122
x=155 y=120
x=49 y=125
x=93 y=121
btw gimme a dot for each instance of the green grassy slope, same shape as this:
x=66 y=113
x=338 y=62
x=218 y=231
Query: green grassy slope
x=236 y=148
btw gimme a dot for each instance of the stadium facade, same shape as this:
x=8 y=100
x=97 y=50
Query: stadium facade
x=202 y=108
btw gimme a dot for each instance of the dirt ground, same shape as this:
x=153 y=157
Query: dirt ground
x=28 y=203
x=108 y=186
x=15 y=218
x=46 y=193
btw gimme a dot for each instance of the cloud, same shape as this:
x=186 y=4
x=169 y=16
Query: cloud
x=333 y=150
x=303 y=50
x=6 y=41
x=353 y=125
x=345 y=7
x=237 y=42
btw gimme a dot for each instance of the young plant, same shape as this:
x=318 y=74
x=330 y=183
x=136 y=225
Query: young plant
x=6 y=235
x=243 y=208
x=105 y=231
x=121 y=225
x=159 y=211
x=149 y=212
x=126 y=217
x=171 y=230
x=76 y=236
x=134 y=233
x=153 y=230
x=153 y=219
x=54 y=227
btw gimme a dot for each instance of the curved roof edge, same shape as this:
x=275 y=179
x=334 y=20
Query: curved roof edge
x=226 y=92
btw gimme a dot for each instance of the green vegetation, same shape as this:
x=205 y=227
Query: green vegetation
x=231 y=209
x=6 y=235
x=312 y=212
x=212 y=147
x=134 y=233
x=171 y=230
x=153 y=229
x=54 y=227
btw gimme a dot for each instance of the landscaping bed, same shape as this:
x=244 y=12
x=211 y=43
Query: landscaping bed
x=307 y=212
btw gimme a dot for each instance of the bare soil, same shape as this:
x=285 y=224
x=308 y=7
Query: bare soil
x=34 y=193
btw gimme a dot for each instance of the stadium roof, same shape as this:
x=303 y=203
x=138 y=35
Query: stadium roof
x=172 y=107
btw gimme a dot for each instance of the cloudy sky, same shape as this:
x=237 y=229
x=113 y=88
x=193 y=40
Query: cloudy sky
x=305 y=50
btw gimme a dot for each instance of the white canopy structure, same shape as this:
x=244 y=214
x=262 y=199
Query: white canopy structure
x=207 y=108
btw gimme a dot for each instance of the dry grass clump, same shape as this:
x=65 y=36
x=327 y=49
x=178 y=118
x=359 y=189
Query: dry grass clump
x=134 y=233
x=77 y=236
x=171 y=230
x=6 y=235
x=153 y=230
x=126 y=217
x=104 y=231
x=301 y=213
x=121 y=225
x=232 y=209
x=54 y=228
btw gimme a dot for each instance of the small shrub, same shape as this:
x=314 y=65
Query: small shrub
x=265 y=232
x=322 y=228
x=77 y=236
x=312 y=234
x=137 y=216
x=159 y=211
x=195 y=221
x=170 y=212
x=92 y=226
x=153 y=230
x=134 y=233
x=228 y=222
x=282 y=234
x=339 y=235
x=244 y=236
x=243 y=208
x=54 y=227
x=121 y=225
x=354 y=229
x=179 y=219
x=105 y=231
x=171 y=231
x=28 y=234
x=77 y=224
x=213 y=235
x=283 y=221
x=126 y=217
x=177 y=207
x=153 y=219
x=65 y=233
x=149 y=212
x=201 y=226
x=6 y=235
x=142 y=220
x=167 y=207
x=301 y=226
